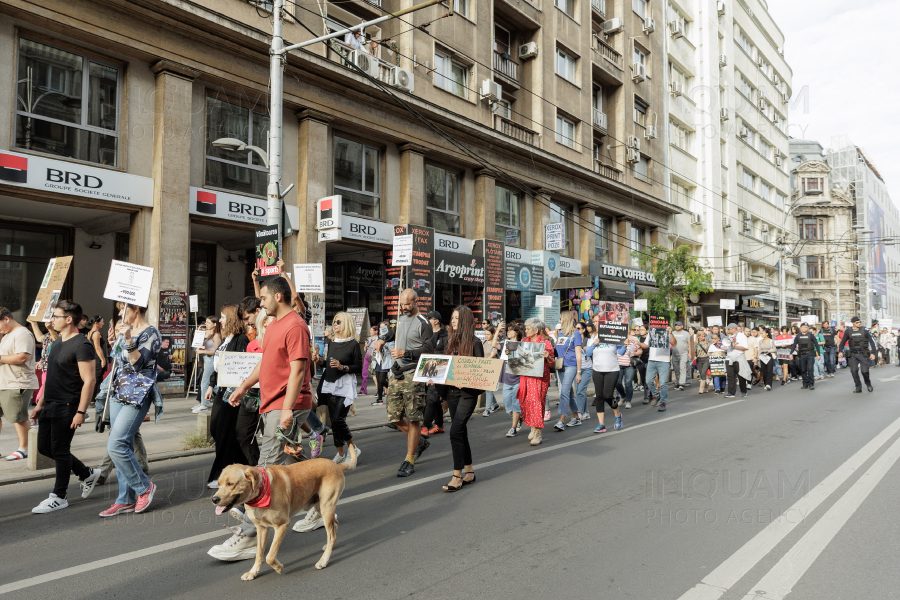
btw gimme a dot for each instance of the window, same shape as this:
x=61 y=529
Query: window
x=815 y=267
x=67 y=104
x=357 y=177
x=442 y=199
x=461 y=7
x=780 y=200
x=601 y=239
x=637 y=244
x=563 y=214
x=751 y=138
x=502 y=40
x=565 y=131
x=642 y=168
x=765 y=190
x=679 y=136
x=750 y=181
x=765 y=149
x=744 y=42
x=676 y=15
x=640 y=7
x=677 y=75
x=746 y=88
x=811 y=228
x=597 y=99
x=681 y=195
x=565 y=66
x=640 y=57
x=813 y=185
x=451 y=76
x=24 y=251
x=227 y=169
x=508 y=219
x=640 y=111
x=567 y=6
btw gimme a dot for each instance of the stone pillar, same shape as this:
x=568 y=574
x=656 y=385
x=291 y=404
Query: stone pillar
x=587 y=240
x=540 y=217
x=485 y=205
x=412 y=184
x=312 y=184
x=623 y=247
x=162 y=238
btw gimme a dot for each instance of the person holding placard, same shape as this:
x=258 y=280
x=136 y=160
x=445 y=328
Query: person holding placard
x=337 y=386
x=767 y=354
x=736 y=365
x=717 y=353
x=568 y=349
x=211 y=341
x=701 y=355
x=658 y=366
x=532 y=393
x=587 y=331
x=510 y=381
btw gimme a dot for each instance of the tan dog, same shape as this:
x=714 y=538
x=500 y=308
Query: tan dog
x=291 y=489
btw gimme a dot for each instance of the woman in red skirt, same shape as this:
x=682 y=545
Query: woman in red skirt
x=533 y=390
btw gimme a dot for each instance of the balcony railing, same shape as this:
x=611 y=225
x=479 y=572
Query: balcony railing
x=599 y=6
x=515 y=131
x=599 y=120
x=607 y=171
x=506 y=67
x=607 y=51
x=341 y=53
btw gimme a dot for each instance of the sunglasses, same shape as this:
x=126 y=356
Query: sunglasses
x=337 y=322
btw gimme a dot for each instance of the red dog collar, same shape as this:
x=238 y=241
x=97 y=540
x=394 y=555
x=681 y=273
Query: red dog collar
x=265 y=493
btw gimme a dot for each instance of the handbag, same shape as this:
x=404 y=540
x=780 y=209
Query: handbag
x=250 y=401
x=558 y=363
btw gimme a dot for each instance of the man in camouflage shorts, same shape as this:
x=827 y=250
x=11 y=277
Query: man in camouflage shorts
x=405 y=398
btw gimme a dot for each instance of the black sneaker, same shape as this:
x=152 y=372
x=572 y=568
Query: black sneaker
x=812 y=387
x=423 y=446
x=378 y=403
x=870 y=388
x=805 y=387
x=406 y=469
x=857 y=391
x=662 y=407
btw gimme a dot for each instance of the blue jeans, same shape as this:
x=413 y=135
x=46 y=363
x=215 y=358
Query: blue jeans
x=204 y=380
x=719 y=382
x=510 y=401
x=566 y=397
x=625 y=385
x=581 y=403
x=124 y=424
x=490 y=402
x=820 y=366
x=314 y=422
x=830 y=360
x=654 y=368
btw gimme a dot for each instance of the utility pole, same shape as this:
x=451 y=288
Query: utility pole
x=837 y=291
x=782 y=302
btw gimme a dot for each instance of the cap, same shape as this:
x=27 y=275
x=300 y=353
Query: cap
x=434 y=315
x=732 y=326
x=679 y=323
x=854 y=320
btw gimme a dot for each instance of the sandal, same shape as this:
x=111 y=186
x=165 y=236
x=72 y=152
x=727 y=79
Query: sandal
x=451 y=488
x=472 y=473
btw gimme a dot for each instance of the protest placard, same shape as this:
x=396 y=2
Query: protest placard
x=199 y=338
x=235 y=367
x=402 y=250
x=360 y=319
x=659 y=335
x=433 y=368
x=714 y=321
x=640 y=304
x=525 y=358
x=51 y=286
x=612 y=333
x=266 y=250
x=309 y=278
x=474 y=372
x=129 y=283
x=726 y=304
x=541 y=301
x=716 y=366
x=194 y=303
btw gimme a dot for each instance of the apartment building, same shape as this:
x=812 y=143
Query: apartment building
x=727 y=146
x=521 y=113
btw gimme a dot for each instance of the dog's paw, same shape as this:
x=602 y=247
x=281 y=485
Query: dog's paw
x=249 y=576
x=322 y=564
x=277 y=566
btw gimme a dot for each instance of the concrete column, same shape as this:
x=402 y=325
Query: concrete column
x=163 y=238
x=412 y=184
x=623 y=251
x=312 y=184
x=485 y=205
x=585 y=251
x=540 y=218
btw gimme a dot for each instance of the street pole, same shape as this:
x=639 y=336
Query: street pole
x=782 y=307
x=837 y=291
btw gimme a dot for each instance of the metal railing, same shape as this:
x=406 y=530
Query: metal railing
x=607 y=171
x=515 y=131
x=599 y=6
x=600 y=120
x=341 y=53
x=607 y=51
x=505 y=66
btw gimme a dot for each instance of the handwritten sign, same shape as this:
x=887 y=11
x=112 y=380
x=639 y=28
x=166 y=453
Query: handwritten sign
x=475 y=373
x=714 y=321
x=194 y=303
x=726 y=304
x=309 y=278
x=235 y=367
x=717 y=366
x=129 y=283
x=51 y=285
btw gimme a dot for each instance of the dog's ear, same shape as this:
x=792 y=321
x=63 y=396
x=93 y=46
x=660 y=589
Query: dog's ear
x=251 y=474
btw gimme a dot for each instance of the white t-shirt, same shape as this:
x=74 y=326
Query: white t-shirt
x=18 y=377
x=738 y=339
x=604 y=358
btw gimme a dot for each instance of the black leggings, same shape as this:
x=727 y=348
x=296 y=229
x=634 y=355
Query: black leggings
x=223 y=427
x=337 y=412
x=55 y=441
x=766 y=369
x=434 y=409
x=604 y=386
x=381 y=380
x=642 y=370
x=462 y=403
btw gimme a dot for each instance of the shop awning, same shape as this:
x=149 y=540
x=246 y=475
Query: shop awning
x=615 y=291
x=573 y=283
x=642 y=289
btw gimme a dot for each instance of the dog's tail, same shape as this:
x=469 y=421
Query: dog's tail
x=351 y=464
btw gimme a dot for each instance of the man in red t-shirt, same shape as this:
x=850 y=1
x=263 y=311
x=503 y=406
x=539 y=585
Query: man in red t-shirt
x=285 y=397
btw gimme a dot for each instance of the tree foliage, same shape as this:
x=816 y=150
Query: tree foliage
x=678 y=275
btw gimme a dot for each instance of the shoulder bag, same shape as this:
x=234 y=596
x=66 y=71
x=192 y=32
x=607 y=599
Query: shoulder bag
x=558 y=363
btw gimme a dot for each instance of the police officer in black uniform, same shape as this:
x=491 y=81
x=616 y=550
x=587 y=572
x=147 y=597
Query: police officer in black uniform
x=830 y=349
x=806 y=348
x=859 y=340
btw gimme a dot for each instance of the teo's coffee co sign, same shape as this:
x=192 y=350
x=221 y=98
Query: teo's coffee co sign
x=74 y=179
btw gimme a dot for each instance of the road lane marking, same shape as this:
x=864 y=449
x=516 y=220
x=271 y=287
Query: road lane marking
x=781 y=579
x=106 y=562
x=726 y=575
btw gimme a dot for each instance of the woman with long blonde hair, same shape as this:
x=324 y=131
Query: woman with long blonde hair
x=568 y=348
x=337 y=387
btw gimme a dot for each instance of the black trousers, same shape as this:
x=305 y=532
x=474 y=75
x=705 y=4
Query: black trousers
x=642 y=370
x=223 y=427
x=55 y=435
x=381 y=381
x=857 y=363
x=807 y=368
x=732 y=369
x=245 y=431
x=462 y=403
x=766 y=370
x=604 y=386
x=434 y=409
x=337 y=412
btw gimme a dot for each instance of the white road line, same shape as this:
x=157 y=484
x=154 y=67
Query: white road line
x=99 y=564
x=723 y=577
x=779 y=581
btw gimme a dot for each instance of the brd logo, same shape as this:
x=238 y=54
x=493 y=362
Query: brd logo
x=363 y=229
x=448 y=244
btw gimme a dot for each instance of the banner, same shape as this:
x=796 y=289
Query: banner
x=659 y=335
x=716 y=366
x=51 y=287
x=462 y=371
x=173 y=315
x=235 y=367
x=267 y=250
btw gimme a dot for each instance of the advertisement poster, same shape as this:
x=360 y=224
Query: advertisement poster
x=267 y=250
x=391 y=287
x=360 y=319
x=525 y=358
x=51 y=285
x=173 y=315
x=659 y=335
x=877 y=262
x=420 y=275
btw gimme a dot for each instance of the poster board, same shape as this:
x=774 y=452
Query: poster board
x=235 y=367
x=403 y=250
x=726 y=304
x=612 y=333
x=172 y=326
x=717 y=366
x=199 y=339
x=710 y=321
x=317 y=307
x=309 y=278
x=640 y=304
x=541 y=301
x=809 y=319
x=266 y=250
x=525 y=359
x=462 y=371
x=129 y=283
x=51 y=284
x=659 y=335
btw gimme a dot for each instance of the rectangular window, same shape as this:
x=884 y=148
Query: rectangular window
x=565 y=131
x=746 y=88
x=229 y=169
x=815 y=267
x=681 y=195
x=502 y=39
x=637 y=244
x=357 y=177
x=601 y=239
x=813 y=185
x=459 y=6
x=750 y=181
x=780 y=200
x=811 y=228
x=679 y=136
x=744 y=42
x=508 y=216
x=677 y=16
x=642 y=168
x=640 y=57
x=640 y=112
x=442 y=199
x=67 y=104
x=765 y=149
x=765 y=191
x=565 y=66
x=567 y=6
x=451 y=76
x=640 y=7
x=676 y=75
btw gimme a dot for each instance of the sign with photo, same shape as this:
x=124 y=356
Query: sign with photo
x=235 y=367
x=525 y=359
x=433 y=368
x=360 y=318
x=51 y=287
x=317 y=307
x=659 y=335
x=129 y=283
x=462 y=371
x=717 y=366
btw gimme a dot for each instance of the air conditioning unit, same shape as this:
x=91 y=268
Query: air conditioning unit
x=745 y=133
x=529 y=50
x=491 y=90
x=402 y=79
x=784 y=97
x=726 y=223
x=723 y=114
x=677 y=88
x=720 y=7
x=649 y=25
x=723 y=60
x=780 y=51
x=366 y=63
x=696 y=219
x=650 y=132
x=777 y=161
x=612 y=26
x=762 y=104
x=765 y=228
x=675 y=28
x=633 y=141
x=638 y=72
x=632 y=155
x=760 y=61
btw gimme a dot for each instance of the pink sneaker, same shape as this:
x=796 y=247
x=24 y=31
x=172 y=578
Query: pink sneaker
x=117 y=509
x=145 y=499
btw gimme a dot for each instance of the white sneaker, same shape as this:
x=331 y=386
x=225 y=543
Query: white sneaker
x=311 y=522
x=51 y=504
x=198 y=408
x=512 y=432
x=213 y=485
x=237 y=547
x=87 y=486
x=338 y=458
x=573 y=423
x=560 y=426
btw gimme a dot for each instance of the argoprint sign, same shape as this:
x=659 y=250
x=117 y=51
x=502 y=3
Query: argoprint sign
x=452 y=267
x=74 y=179
x=231 y=207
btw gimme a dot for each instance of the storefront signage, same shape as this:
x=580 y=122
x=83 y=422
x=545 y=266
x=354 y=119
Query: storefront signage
x=494 y=297
x=517 y=255
x=74 y=179
x=419 y=276
x=550 y=263
x=755 y=305
x=328 y=213
x=452 y=243
x=465 y=269
x=367 y=275
x=569 y=265
x=364 y=230
x=230 y=207
x=555 y=236
x=618 y=272
x=524 y=278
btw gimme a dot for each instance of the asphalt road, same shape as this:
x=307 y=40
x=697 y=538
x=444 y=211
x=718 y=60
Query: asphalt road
x=785 y=493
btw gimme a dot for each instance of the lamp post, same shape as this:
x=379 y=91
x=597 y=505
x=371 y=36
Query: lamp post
x=236 y=145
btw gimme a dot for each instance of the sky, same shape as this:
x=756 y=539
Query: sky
x=844 y=55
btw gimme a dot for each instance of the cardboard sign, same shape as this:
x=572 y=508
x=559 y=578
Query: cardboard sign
x=267 y=250
x=51 y=304
x=129 y=283
x=475 y=373
x=194 y=303
x=726 y=304
x=640 y=304
x=235 y=367
x=717 y=366
x=612 y=333
x=714 y=321
x=199 y=339
x=309 y=278
x=403 y=250
x=542 y=301
x=659 y=336
x=51 y=284
x=433 y=368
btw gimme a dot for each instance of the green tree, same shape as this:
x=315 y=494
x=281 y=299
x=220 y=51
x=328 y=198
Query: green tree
x=678 y=275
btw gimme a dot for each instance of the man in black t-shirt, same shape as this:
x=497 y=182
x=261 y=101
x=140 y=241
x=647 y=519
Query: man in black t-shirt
x=63 y=404
x=164 y=361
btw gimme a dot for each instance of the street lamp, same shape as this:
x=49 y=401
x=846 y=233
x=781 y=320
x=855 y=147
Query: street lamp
x=236 y=145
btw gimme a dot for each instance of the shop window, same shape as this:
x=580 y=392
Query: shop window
x=563 y=214
x=24 y=254
x=601 y=239
x=442 y=199
x=67 y=104
x=508 y=219
x=244 y=171
x=203 y=278
x=357 y=177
